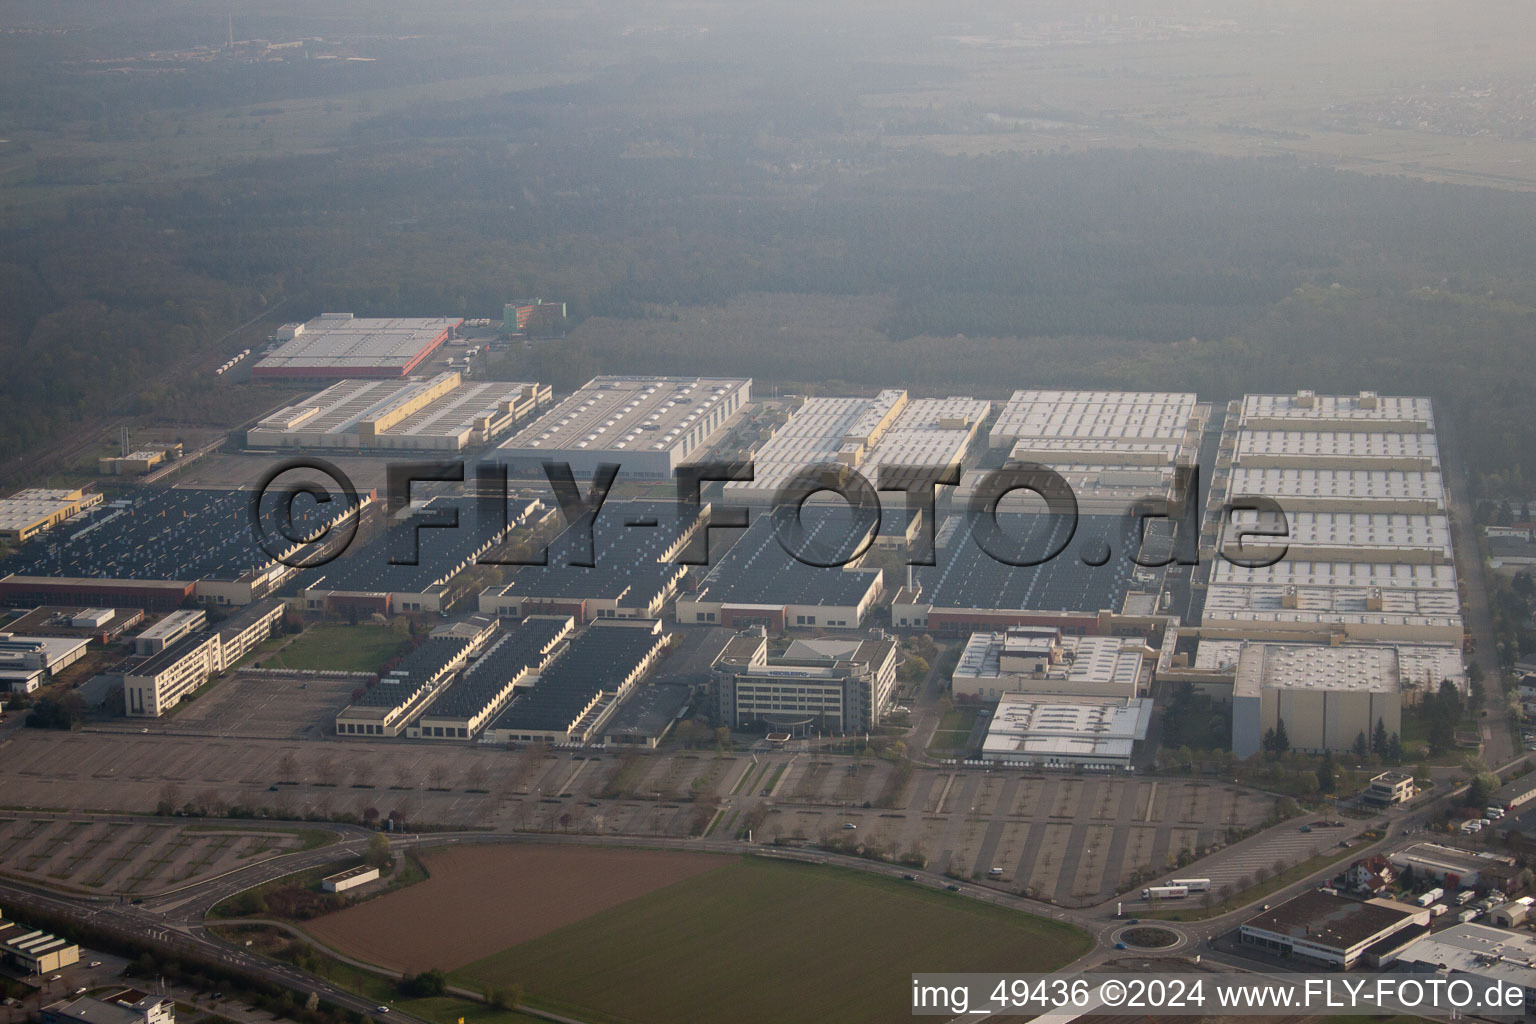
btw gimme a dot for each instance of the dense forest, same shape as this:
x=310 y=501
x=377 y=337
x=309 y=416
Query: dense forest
x=763 y=237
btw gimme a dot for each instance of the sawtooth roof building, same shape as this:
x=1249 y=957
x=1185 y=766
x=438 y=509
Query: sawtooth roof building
x=635 y=569
x=758 y=582
x=158 y=548
x=889 y=430
x=1363 y=611
x=647 y=425
x=1086 y=589
x=1115 y=448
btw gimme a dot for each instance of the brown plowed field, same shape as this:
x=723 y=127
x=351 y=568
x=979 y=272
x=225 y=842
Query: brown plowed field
x=481 y=899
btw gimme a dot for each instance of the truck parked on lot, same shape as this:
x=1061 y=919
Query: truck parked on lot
x=1165 y=892
x=1193 y=884
x=1425 y=899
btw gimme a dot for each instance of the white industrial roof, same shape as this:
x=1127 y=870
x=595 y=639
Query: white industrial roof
x=637 y=414
x=24 y=508
x=866 y=433
x=1479 y=950
x=1359 y=409
x=1341 y=484
x=333 y=343
x=1364 y=668
x=1093 y=659
x=1033 y=728
x=1333 y=444
x=340 y=409
x=1361 y=530
x=1083 y=415
x=55 y=647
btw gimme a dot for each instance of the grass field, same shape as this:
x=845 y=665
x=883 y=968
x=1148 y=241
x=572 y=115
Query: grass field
x=328 y=647
x=954 y=731
x=439 y=1010
x=770 y=942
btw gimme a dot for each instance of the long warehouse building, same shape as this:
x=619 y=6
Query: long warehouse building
x=339 y=345
x=443 y=413
x=647 y=425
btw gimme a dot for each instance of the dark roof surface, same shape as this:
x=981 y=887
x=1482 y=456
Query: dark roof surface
x=439 y=552
x=595 y=660
x=524 y=647
x=418 y=668
x=628 y=540
x=650 y=709
x=967 y=576
x=759 y=570
x=161 y=534
x=1328 y=920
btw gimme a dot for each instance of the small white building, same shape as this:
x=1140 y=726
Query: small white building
x=26 y=661
x=351 y=878
x=180 y=623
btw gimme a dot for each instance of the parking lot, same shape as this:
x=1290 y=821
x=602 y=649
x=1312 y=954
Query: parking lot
x=260 y=705
x=1070 y=839
x=111 y=857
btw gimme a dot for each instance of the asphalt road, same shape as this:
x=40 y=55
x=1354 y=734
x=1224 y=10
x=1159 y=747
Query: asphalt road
x=1498 y=739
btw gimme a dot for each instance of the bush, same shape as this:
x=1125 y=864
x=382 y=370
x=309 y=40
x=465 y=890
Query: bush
x=426 y=985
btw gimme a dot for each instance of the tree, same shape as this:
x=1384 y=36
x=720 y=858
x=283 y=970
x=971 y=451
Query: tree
x=1482 y=787
x=504 y=997
x=1282 y=741
x=1450 y=700
x=1379 y=738
x=722 y=738
x=1359 y=748
x=1442 y=733
x=56 y=713
x=1395 y=749
x=1325 y=779
x=378 y=851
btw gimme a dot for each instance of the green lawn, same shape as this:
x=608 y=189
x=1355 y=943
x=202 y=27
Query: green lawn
x=335 y=648
x=953 y=732
x=771 y=942
x=381 y=990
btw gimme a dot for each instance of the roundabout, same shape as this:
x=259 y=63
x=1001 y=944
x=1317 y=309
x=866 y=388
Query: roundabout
x=1148 y=938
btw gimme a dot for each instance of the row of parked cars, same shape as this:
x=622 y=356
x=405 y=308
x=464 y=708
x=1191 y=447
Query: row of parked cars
x=1474 y=825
